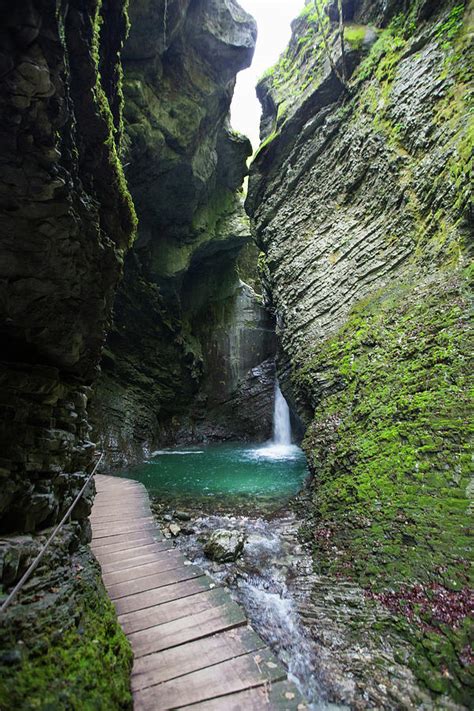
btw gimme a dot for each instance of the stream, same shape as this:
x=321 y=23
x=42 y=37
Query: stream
x=197 y=490
x=248 y=488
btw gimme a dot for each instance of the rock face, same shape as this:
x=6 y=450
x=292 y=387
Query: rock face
x=224 y=546
x=65 y=623
x=235 y=397
x=181 y=291
x=360 y=200
x=67 y=220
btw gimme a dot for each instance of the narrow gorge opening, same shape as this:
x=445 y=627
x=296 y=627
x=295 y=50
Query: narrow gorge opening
x=267 y=342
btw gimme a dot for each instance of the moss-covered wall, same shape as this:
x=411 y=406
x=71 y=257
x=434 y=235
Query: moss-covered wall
x=185 y=168
x=67 y=221
x=362 y=204
x=62 y=647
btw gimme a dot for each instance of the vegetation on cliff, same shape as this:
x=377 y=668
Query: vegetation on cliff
x=373 y=227
x=390 y=454
x=62 y=647
x=68 y=220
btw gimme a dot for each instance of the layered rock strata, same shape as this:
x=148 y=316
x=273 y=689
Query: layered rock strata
x=181 y=288
x=67 y=220
x=360 y=196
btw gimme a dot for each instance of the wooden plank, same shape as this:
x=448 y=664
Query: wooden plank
x=121 y=498
x=120 y=501
x=121 y=489
x=121 y=531
x=119 y=516
x=153 y=581
x=228 y=677
x=157 y=596
x=130 y=559
x=160 y=548
x=126 y=537
x=119 y=513
x=143 y=570
x=192 y=644
x=278 y=696
x=124 y=496
x=123 y=524
x=115 y=509
x=116 y=481
x=171 y=663
x=143 y=546
x=130 y=545
x=185 y=629
x=159 y=614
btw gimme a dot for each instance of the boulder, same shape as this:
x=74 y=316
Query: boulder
x=224 y=546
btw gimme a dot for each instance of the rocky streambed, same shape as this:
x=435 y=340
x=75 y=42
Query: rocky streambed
x=333 y=638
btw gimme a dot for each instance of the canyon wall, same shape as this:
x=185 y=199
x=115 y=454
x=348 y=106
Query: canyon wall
x=183 y=322
x=66 y=222
x=360 y=198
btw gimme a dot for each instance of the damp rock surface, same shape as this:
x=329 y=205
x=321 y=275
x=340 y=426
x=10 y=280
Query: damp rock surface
x=360 y=200
x=188 y=355
x=67 y=221
x=224 y=546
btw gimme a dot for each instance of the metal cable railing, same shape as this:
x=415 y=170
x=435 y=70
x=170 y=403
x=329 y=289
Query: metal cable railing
x=34 y=564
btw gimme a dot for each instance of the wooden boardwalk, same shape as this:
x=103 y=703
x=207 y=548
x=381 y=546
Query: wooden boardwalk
x=192 y=644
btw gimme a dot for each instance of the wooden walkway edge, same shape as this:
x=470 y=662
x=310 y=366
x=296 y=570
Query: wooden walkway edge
x=193 y=647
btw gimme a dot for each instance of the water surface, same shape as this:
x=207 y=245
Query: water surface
x=219 y=476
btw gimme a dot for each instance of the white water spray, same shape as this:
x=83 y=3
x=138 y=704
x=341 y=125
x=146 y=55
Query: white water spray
x=281 y=419
x=280 y=446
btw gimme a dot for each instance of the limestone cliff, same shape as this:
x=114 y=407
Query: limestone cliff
x=185 y=167
x=360 y=196
x=66 y=221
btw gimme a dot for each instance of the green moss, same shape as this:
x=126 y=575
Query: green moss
x=84 y=667
x=383 y=56
x=269 y=139
x=112 y=144
x=452 y=25
x=355 y=35
x=389 y=445
x=435 y=230
x=300 y=67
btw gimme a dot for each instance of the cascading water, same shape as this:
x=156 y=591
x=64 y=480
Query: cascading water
x=281 y=419
x=280 y=446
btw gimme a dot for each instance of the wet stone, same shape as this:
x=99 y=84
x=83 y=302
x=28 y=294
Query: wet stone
x=224 y=546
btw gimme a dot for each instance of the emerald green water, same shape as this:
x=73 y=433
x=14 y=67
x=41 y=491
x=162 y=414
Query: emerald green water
x=220 y=475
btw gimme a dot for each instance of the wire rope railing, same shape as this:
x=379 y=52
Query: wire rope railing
x=46 y=545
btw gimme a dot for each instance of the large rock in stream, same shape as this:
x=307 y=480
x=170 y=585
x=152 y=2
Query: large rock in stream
x=224 y=546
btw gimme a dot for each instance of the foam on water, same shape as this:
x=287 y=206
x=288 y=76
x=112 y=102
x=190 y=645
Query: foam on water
x=159 y=452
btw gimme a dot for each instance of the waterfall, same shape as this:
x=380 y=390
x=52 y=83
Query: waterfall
x=281 y=419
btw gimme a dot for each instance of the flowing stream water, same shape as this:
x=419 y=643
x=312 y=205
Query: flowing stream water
x=246 y=487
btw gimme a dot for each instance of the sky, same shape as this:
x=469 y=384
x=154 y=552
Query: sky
x=273 y=19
